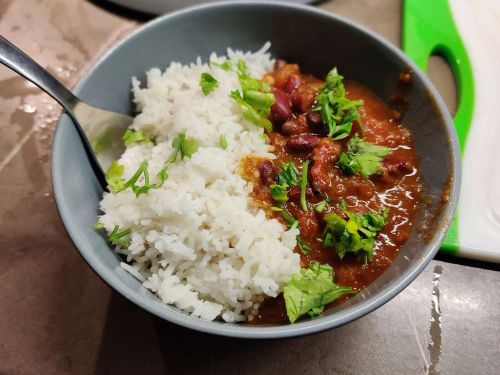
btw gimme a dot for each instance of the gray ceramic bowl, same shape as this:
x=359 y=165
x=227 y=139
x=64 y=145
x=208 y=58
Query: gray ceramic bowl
x=318 y=41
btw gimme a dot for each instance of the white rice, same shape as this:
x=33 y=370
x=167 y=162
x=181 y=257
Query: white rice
x=198 y=241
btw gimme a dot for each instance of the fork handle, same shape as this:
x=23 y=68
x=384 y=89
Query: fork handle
x=18 y=61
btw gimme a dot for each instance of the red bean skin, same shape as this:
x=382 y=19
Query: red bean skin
x=292 y=82
x=295 y=126
x=316 y=124
x=281 y=110
x=302 y=142
x=267 y=172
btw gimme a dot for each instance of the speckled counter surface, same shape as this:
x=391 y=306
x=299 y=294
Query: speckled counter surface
x=58 y=317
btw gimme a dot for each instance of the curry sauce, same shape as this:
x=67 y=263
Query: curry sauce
x=299 y=134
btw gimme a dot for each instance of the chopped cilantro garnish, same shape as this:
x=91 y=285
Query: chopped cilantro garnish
x=242 y=68
x=342 y=204
x=312 y=289
x=255 y=98
x=250 y=113
x=227 y=65
x=302 y=245
x=303 y=186
x=294 y=224
x=320 y=207
x=289 y=175
x=116 y=237
x=223 y=142
x=183 y=146
x=336 y=110
x=135 y=136
x=354 y=235
x=279 y=193
x=362 y=157
x=288 y=218
x=114 y=177
x=98 y=225
x=117 y=183
x=208 y=83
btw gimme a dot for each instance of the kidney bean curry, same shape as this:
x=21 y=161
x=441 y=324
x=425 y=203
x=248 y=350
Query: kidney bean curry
x=345 y=175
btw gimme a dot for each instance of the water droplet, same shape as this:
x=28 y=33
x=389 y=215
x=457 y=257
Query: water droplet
x=27 y=108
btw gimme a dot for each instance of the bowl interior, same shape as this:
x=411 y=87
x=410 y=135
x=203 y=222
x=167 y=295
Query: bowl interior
x=317 y=41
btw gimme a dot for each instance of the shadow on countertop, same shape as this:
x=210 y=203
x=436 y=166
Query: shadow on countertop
x=134 y=341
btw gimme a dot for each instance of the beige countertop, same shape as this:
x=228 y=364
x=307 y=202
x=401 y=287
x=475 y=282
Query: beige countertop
x=58 y=317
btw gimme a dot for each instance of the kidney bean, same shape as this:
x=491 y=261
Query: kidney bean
x=267 y=172
x=295 y=126
x=292 y=82
x=281 y=109
x=294 y=193
x=302 y=142
x=316 y=124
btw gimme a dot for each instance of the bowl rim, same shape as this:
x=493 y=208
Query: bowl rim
x=350 y=313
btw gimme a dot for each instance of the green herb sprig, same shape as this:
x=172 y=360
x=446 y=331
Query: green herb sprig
x=208 y=83
x=356 y=234
x=337 y=111
x=254 y=98
x=116 y=237
x=135 y=136
x=362 y=157
x=303 y=186
x=185 y=147
x=312 y=289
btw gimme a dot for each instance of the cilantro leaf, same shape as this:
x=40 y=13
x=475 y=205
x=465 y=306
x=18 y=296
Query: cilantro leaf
x=354 y=235
x=227 y=65
x=208 y=83
x=223 y=142
x=117 y=183
x=250 y=113
x=114 y=177
x=303 y=186
x=362 y=157
x=242 y=67
x=336 y=110
x=279 y=193
x=312 y=289
x=116 y=237
x=135 y=136
x=320 y=207
x=302 y=245
x=290 y=220
x=183 y=146
x=255 y=98
x=289 y=175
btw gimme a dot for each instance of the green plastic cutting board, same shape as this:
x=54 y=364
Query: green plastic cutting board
x=429 y=29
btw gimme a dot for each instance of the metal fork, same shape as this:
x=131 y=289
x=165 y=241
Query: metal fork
x=100 y=130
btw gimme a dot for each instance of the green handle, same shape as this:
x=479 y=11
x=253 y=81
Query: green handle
x=429 y=29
